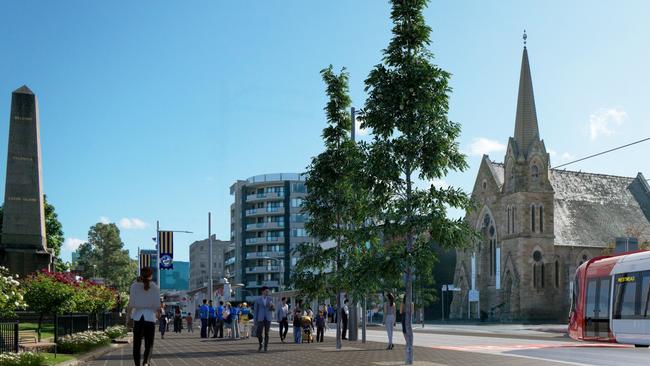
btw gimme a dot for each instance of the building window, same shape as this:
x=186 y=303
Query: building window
x=542 y=274
x=514 y=209
x=534 y=172
x=532 y=218
x=534 y=275
x=484 y=184
x=296 y=202
x=557 y=273
x=509 y=232
x=298 y=188
x=541 y=219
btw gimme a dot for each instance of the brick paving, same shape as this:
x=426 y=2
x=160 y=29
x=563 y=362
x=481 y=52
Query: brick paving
x=189 y=350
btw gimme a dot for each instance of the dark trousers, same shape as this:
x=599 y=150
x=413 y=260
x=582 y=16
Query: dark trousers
x=284 y=328
x=263 y=326
x=204 y=328
x=344 y=320
x=212 y=327
x=219 y=332
x=320 y=331
x=146 y=330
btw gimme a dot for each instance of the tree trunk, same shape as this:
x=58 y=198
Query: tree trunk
x=408 y=335
x=363 y=325
x=40 y=323
x=339 y=303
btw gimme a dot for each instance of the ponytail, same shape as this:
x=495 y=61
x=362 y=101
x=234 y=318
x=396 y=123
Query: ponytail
x=145 y=277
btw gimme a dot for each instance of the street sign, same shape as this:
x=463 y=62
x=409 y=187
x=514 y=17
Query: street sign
x=473 y=295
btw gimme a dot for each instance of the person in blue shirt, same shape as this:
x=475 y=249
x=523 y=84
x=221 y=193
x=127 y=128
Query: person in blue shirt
x=212 y=320
x=203 y=313
x=234 y=322
x=220 y=321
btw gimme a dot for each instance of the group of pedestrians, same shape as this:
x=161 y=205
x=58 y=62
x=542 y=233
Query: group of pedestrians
x=145 y=306
x=233 y=320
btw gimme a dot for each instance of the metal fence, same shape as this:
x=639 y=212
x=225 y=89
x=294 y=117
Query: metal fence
x=70 y=324
x=9 y=336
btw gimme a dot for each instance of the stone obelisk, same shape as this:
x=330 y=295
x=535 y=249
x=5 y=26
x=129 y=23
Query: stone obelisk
x=24 y=245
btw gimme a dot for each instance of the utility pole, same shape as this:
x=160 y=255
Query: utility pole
x=210 y=256
x=158 y=254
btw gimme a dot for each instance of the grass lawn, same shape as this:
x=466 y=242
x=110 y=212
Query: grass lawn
x=47 y=330
x=50 y=360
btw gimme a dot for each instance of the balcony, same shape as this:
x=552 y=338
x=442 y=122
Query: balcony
x=264 y=196
x=263 y=269
x=229 y=261
x=265 y=240
x=256 y=255
x=258 y=284
x=264 y=211
x=265 y=225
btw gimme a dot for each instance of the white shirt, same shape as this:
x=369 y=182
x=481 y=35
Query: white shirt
x=144 y=303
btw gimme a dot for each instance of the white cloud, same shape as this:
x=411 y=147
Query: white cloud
x=126 y=223
x=566 y=157
x=603 y=122
x=104 y=220
x=72 y=244
x=563 y=158
x=482 y=145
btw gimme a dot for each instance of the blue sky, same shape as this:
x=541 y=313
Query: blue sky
x=150 y=110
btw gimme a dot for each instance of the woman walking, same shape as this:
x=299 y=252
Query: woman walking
x=389 y=318
x=143 y=302
x=178 y=320
x=162 y=320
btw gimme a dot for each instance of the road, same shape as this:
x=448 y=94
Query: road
x=555 y=349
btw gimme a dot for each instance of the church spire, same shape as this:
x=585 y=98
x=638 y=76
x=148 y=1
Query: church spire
x=526 y=130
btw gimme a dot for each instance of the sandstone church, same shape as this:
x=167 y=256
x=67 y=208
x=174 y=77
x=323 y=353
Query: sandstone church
x=538 y=225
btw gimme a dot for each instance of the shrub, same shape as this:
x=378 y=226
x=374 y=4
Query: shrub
x=22 y=359
x=116 y=331
x=11 y=295
x=81 y=342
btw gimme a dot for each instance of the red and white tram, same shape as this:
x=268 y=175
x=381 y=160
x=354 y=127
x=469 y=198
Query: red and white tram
x=610 y=299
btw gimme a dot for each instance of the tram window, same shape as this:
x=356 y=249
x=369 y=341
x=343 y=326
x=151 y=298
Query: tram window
x=645 y=286
x=591 y=299
x=625 y=295
x=603 y=298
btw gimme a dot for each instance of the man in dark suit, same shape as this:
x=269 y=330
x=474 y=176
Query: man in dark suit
x=262 y=316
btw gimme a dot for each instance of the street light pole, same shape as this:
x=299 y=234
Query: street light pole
x=158 y=254
x=210 y=255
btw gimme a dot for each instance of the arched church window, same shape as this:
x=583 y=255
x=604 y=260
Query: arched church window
x=532 y=218
x=534 y=172
x=541 y=219
x=538 y=270
x=509 y=232
x=484 y=184
x=486 y=220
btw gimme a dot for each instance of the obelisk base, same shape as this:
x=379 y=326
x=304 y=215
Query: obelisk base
x=25 y=262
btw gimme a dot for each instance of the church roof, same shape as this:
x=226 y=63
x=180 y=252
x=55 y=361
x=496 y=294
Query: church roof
x=526 y=129
x=593 y=209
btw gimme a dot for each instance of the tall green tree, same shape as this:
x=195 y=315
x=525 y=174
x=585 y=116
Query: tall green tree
x=408 y=100
x=53 y=232
x=335 y=202
x=104 y=256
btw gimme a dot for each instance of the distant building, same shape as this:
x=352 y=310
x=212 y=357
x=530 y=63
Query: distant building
x=199 y=263
x=538 y=225
x=177 y=279
x=266 y=225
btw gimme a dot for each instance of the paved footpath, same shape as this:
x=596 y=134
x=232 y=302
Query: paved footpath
x=189 y=350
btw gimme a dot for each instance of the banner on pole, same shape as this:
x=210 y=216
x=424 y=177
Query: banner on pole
x=166 y=242
x=145 y=260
